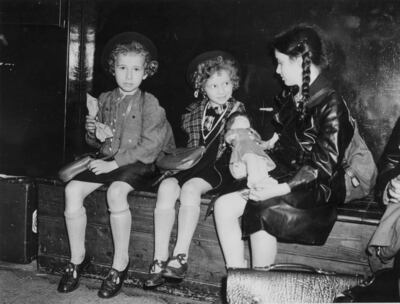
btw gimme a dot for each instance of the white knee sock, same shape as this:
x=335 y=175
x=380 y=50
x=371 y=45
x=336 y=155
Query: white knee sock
x=187 y=222
x=76 y=228
x=164 y=220
x=121 y=222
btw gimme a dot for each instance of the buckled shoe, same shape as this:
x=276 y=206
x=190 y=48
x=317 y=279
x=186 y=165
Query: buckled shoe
x=72 y=273
x=176 y=272
x=155 y=278
x=112 y=283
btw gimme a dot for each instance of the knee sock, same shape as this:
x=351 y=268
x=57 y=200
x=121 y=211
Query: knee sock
x=76 y=228
x=164 y=220
x=187 y=222
x=121 y=222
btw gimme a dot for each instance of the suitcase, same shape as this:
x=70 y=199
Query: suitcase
x=286 y=283
x=18 y=230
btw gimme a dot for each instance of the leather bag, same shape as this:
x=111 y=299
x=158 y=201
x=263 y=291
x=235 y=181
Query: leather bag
x=69 y=171
x=286 y=283
x=181 y=158
x=309 y=226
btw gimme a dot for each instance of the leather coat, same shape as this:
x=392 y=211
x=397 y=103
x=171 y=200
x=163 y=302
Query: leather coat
x=310 y=149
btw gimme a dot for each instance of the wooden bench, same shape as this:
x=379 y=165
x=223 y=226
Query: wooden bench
x=344 y=251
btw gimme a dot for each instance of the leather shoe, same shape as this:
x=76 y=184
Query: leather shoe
x=155 y=278
x=112 y=283
x=176 y=272
x=72 y=273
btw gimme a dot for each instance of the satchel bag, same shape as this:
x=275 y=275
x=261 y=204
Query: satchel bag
x=309 y=226
x=359 y=167
x=72 y=169
x=286 y=283
x=185 y=158
x=181 y=158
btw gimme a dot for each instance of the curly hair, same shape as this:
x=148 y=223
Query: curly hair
x=305 y=41
x=207 y=68
x=151 y=65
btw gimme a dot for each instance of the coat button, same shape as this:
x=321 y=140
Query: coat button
x=133 y=116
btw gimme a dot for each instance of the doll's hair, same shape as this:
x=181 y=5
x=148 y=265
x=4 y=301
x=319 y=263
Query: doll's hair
x=150 y=65
x=231 y=119
x=306 y=41
x=209 y=67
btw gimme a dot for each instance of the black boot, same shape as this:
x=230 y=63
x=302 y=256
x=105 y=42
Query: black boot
x=72 y=273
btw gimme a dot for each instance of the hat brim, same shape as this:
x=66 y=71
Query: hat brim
x=209 y=55
x=126 y=38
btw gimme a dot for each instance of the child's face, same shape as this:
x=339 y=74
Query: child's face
x=219 y=87
x=129 y=71
x=240 y=122
x=290 y=69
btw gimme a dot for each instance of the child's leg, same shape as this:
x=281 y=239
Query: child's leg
x=164 y=217
x=227 y=211
x=120 y=220
x=189 y=212
x=75 y=217
x=263 y=248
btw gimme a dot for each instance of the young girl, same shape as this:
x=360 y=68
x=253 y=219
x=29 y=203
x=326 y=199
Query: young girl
x=214 y=76
x=314 y=130
x=248 y=158
x=139 y=132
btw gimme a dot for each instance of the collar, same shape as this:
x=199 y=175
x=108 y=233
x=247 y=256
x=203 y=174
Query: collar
x=320 y=83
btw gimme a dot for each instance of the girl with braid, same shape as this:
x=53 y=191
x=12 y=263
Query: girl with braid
x=313 y=129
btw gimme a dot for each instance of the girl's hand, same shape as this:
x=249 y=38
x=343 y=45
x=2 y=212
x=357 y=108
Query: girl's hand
x=270 y=144
x=90 y=124
x=99 y=166
x=393 y=190
x=263 y=182
x=261 y=194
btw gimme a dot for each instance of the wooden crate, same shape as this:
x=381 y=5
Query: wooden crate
x=344 y=251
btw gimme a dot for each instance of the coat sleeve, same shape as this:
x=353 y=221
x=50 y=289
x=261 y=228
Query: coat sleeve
x=153 y=136
x=321 y=143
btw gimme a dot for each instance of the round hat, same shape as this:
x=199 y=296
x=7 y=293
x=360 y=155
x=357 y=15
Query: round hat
x=209 y=55
x=126 y=38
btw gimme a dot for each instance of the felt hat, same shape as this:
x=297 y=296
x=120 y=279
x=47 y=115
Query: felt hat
x=126 y=38
x=209 y=55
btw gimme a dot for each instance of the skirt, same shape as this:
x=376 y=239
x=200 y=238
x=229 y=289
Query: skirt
x=138 y=175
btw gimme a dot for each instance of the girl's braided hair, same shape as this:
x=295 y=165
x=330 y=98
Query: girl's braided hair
x=305 y=41
x=151 y=65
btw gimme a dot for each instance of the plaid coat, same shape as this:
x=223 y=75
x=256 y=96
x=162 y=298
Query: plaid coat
x=191 y=122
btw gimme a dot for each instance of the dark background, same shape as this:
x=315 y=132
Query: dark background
x=53 y=61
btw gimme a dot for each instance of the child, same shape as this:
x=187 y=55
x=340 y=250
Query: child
x=133 y=131
x=248 y=158
x=214 y=76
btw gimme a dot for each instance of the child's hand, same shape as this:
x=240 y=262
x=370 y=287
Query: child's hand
x=92 y=105
x=270 y=144
x=258 y=183
x=90 y=124
x=393 y=190
x=99 y=166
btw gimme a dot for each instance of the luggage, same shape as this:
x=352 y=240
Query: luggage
x=18 y=228
x=286 y=283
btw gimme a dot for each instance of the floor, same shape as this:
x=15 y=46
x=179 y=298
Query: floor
x=23 y=284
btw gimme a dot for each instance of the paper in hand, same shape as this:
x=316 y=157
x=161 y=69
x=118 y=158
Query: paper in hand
x=103 y=131
x=92 y=105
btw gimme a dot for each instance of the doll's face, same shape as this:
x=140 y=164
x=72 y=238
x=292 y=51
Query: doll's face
x=129 y=71
x=219 y=87
x=290 y=69
x=240 y=122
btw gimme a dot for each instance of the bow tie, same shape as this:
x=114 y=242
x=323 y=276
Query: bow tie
x=215 y=111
